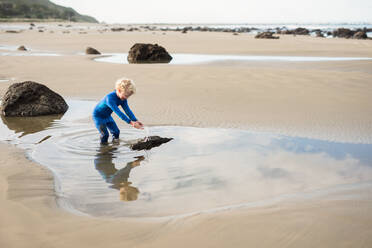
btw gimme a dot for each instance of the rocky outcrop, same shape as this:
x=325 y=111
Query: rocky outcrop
x=91 y=50
x=266 y=35
x=31 y=99
x=149 y=143
x=148 y=53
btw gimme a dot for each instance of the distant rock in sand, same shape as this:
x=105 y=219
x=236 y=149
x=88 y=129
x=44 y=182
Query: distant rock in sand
x=301 y=31
x=148 y=53
x=343 y=33
x=117 y=29
x=91 y=50
x=12 y=31
x=31 y=99
x=151 y=142
x=266 y=35
x=360 y=35
x=22 y=48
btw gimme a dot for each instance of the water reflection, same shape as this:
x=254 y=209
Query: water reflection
x=117 y=178
x=29 y=125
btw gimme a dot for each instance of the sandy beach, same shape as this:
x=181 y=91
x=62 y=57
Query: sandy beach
x=322 y=100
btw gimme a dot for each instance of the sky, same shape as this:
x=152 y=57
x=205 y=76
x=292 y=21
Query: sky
x=224 y=11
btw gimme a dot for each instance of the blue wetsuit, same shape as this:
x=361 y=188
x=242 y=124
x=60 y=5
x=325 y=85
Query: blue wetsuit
x=102 y=115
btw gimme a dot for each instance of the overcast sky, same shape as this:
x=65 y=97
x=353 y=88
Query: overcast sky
x=223 y=11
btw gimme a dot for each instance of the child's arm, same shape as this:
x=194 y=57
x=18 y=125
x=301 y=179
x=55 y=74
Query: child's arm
x=128 y=111
x=117 y=111
x=134 y=122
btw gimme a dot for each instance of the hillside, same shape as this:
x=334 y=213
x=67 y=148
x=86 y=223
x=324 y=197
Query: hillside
x=39 y=9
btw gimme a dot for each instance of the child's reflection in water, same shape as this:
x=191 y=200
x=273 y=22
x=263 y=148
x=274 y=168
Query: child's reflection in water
x=117 y=178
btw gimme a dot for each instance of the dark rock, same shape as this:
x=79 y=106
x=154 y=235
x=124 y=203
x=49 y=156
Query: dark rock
x=343 y=33
x=319 y=34
x=266 y=35
x=360 y=35
x=149 y=143
x=41 y=31
x=301 y=31
x=12 y=31
x=148 y=53
x=286 y=31
x=22 y=48
x=91 y=50
x=31 y=99
x=117 y=29
x=32 y=24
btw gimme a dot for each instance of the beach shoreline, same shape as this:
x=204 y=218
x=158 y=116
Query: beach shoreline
x=329 y=100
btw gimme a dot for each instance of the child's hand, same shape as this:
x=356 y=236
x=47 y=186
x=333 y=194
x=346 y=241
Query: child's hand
x=137 y=124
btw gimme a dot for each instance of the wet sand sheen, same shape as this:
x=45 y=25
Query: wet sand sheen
x=202 y=169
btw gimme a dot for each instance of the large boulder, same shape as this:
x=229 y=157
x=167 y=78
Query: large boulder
x=148 y=53
x=91 y=50
x=266 y=35
x=31 y=99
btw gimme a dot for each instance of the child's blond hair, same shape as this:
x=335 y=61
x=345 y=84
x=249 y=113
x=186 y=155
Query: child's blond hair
x=127 y=85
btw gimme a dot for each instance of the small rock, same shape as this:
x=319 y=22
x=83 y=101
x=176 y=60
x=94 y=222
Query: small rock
x=22 y=48
x=266 y=35
x=91 y=50
x=12 y=31
x=149 y=143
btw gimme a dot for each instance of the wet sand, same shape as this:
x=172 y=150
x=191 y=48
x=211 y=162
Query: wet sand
x=325 y=100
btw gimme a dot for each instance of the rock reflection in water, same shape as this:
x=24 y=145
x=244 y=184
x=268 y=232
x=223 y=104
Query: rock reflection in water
x=118 y=179
x=29 y=125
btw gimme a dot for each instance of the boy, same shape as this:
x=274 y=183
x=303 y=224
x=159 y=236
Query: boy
x=124 y=88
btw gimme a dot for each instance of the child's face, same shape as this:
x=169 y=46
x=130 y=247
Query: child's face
x=122 y=94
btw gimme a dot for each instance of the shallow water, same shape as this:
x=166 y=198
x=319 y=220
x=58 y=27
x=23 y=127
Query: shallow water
x=13 y=51
x=201 y=170
x=180 y=59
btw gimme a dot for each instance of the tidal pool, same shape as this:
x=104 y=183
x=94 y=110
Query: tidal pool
x=180 y=58
x=201 y=170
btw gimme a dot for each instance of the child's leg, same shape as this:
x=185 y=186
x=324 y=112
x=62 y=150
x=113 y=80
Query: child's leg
x=103 y=132
x=114 y=130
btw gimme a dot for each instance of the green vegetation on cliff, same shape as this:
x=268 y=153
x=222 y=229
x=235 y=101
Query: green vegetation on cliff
x=39 y=9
